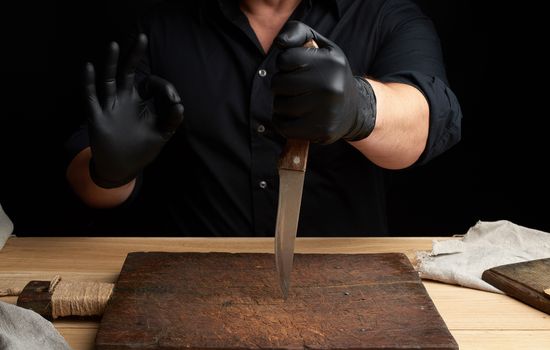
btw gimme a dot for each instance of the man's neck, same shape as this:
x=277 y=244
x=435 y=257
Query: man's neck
x=267 y=7
x=267 y=17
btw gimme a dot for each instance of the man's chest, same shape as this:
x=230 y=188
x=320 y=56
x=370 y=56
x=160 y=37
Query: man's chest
x=224 y=77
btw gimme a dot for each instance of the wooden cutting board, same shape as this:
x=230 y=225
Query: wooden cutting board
x=232 y=301
x=526 y=281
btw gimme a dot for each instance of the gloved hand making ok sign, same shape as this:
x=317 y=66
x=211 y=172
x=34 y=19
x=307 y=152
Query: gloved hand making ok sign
x=125 y=133
x=317 y=97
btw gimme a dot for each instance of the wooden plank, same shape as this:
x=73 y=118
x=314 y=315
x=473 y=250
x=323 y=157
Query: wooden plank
x=83 y=339
x=458 y=306
x=100 y=259
x=525 y=281
x=73 y=254
x=230 y=301
x=502 y=340
x=478 y=320
x=78 y=338
x=465 y=308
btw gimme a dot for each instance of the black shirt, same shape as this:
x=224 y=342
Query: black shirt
x=217 y=175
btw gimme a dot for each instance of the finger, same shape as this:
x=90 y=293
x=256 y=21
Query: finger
x=296 y=58
x=158 y=88
x=294 y=34
x=129 y=70
x=109 y=80
x=293 y=106
x=167 y=103
x=300 y=128
x=292 y=84
x=92 y=103
x=289 y=127
x=170 y=119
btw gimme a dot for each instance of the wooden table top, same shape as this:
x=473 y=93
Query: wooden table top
x=477 y=320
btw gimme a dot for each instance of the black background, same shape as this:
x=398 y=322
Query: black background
x=494 y=63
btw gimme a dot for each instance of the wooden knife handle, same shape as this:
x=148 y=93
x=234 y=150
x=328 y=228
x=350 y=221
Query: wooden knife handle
x=294 y=156
x=311 y=44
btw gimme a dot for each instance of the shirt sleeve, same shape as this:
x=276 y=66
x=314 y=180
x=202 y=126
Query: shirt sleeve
x=410 y=53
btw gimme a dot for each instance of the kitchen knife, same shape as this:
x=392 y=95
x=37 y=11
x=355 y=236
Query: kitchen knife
x=292 y=170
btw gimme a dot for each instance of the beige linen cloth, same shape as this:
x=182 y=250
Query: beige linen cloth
x=22 y=329
x=6 y=228
x=485 y=245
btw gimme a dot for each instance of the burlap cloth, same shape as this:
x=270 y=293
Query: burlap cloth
x=485 y=245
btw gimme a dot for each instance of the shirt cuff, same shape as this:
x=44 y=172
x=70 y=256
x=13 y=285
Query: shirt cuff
x=445 y=111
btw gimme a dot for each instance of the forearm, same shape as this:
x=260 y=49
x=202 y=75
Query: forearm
x=401 y=130
x=78 y=175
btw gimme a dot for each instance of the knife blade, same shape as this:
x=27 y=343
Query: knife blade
x=292 y=170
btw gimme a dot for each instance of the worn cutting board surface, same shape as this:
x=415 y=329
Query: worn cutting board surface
x=232 y=301
x=525 y=281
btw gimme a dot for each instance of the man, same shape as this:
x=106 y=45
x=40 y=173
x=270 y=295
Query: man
x=373 y=96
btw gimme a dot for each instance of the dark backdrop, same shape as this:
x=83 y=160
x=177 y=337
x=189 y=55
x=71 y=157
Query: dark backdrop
x=498 y=171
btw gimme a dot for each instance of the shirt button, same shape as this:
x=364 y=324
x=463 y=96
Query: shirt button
x=261 y=128
x=263 y=184
x=262 y=73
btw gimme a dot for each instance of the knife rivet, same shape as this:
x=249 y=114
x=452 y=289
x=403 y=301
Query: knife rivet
x=296 y=160
x=263 y=184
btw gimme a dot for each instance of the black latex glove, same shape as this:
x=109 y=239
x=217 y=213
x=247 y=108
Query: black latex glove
x=125 y=133
x=316 y=95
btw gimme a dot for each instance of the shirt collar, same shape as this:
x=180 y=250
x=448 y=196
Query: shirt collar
x=336 y=5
